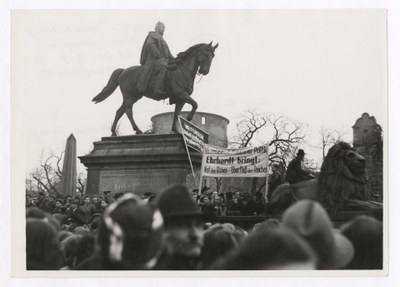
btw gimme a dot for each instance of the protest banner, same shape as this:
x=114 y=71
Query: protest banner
x=244 y=162
x=194 y=136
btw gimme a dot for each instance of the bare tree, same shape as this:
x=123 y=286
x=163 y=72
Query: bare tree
x=288 y=134
x=283 y=134
x=80 y=183
x=248 y=128
x=47 y=176
x=30 y=185
x=330 y=137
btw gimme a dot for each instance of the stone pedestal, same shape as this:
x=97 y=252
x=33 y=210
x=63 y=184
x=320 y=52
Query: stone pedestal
x=138 y=164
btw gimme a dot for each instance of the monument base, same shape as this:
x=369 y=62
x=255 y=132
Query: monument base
x=138 y=164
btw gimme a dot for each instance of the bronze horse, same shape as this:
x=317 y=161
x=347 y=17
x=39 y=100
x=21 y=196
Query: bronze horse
x=178 y=84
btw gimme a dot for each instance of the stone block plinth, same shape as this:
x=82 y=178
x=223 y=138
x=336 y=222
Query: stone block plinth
x=138 y=164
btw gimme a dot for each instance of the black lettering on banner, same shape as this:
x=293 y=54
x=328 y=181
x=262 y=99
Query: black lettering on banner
x=246 y=160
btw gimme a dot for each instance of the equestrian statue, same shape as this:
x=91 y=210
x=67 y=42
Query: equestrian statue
x=160 y=77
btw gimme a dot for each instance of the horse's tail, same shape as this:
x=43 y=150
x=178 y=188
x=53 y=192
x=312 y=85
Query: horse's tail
x=109 y=88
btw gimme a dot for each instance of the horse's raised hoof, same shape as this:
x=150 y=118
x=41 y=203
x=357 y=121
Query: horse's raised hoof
x=189 y=117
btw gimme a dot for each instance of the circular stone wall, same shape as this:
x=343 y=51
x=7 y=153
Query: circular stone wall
x=215 y=125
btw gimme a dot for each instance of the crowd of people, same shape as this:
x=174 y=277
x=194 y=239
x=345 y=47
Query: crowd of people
x=174 y=231
x=78 y=210
x=213 y=204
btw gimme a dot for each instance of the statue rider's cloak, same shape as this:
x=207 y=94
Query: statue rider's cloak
x=154 y=51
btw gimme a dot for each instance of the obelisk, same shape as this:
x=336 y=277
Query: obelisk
x=68 y=177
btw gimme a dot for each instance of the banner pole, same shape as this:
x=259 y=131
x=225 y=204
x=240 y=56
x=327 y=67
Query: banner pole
x=201 y=170
x=200 y=184
x=187 y=149
x=266 y=188
x=266 y=177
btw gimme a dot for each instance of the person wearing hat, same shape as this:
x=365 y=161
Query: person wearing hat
x=310 y=221
x=366 y=234
x=183 y=229
x=294 y=172
x=129 y=237
x=269 y=249
x=42 y=248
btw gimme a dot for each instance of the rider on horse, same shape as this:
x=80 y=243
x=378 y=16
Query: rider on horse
x=154 y=59
x=178 y=85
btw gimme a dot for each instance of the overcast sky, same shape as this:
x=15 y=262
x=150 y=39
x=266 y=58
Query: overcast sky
x=321 y=67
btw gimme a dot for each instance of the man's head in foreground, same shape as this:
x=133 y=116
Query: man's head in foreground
x=183 y=223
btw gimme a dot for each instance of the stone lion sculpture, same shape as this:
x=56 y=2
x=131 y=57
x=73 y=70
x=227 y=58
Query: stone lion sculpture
x=341 y=184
